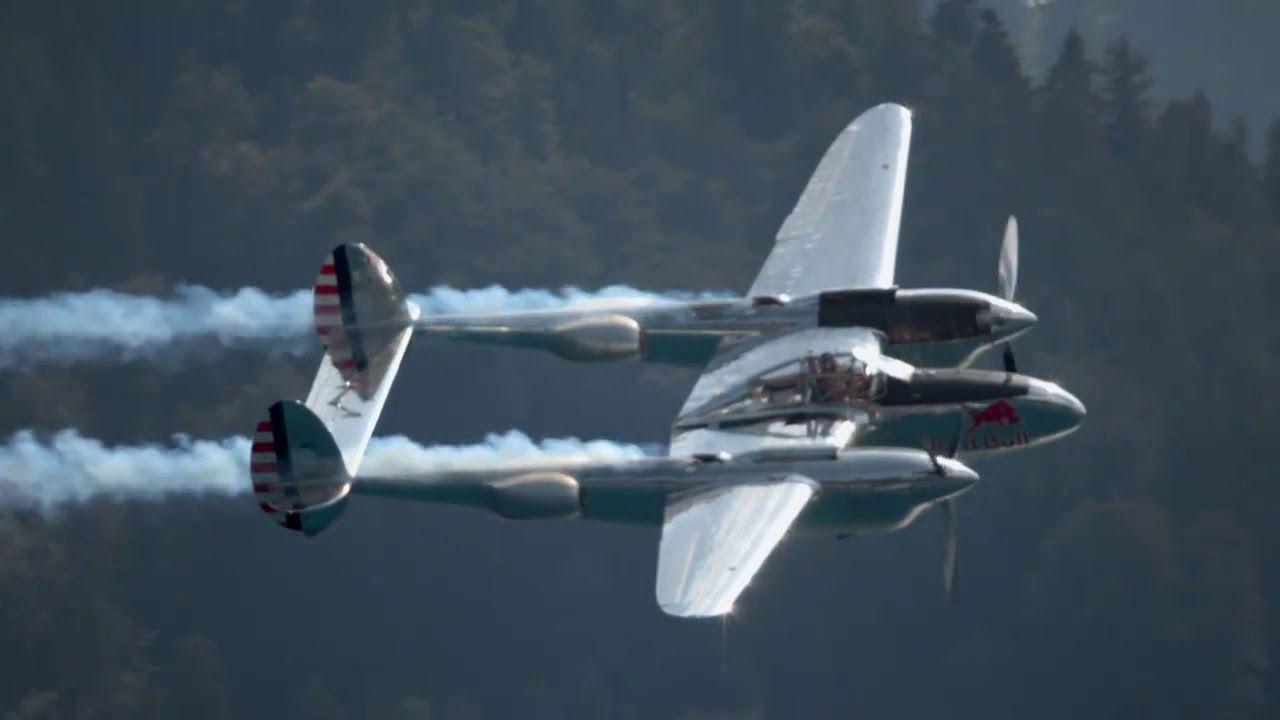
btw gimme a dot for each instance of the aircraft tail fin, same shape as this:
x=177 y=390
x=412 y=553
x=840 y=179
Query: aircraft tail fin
x=359 y=310
x=305 y=456
x=365 y=323
x=299 y=477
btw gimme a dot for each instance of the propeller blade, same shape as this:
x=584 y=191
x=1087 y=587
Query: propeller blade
x=1010 y=363
x=953 y=450
x=1008 y=270
x=951 y=566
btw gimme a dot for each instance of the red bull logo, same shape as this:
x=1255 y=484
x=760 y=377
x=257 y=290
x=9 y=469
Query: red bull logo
x=997 y=413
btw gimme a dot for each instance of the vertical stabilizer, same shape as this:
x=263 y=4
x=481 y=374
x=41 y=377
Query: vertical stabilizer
x=299 y=477
x=365 y=323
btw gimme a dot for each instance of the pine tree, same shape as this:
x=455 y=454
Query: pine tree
x=995 y=55
x=1182 y=150
x=953 y=21
x=1235 y=179
x=1068 y=90
x=1271 y=169
x=1125 y=105
x=1068 y=114
x=1198 y=173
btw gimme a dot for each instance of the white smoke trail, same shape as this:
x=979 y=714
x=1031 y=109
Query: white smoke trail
x=397 y=454
x=104 y=325
x=444 y=300
x=69 y=469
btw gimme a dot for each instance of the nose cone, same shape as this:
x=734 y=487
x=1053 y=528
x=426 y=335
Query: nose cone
x=1074 y=405
x=955 y=477
x=1009 y=319
x=957 y=472
x=898 y=464
x=1059 y=408
x=1022 y=318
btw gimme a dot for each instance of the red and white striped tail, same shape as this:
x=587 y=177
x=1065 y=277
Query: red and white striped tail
x=265 y=471
x=359 y=309
x=328 y=305
x=329 y=318
x=299 y=478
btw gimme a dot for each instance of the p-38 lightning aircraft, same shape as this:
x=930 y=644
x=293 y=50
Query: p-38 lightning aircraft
x=806 y=413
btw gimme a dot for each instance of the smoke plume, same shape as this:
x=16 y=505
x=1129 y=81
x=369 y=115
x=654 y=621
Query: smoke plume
x=105 y=325
x=68 y=469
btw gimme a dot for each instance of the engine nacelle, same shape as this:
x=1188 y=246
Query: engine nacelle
x=600 y=338
x=907 y=316
x=536 y=496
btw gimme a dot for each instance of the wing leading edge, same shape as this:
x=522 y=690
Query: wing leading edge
x=715 y=539
x=843 y=232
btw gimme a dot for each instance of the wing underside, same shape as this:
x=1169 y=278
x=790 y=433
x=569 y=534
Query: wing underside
x=715 y=539
x=843 y=232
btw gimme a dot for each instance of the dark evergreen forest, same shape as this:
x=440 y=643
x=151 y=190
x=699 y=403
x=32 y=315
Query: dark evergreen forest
x=1128 y=571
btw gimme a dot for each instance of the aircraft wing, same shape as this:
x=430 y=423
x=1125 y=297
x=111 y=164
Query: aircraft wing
x=843 y=232
x=715 y=539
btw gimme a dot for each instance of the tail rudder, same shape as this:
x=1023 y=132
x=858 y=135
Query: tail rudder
x=359 y=312
x=299 y=477
x=365 y=322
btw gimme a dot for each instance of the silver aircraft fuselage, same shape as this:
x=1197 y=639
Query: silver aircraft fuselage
x=972 y=412
x=865 y=490
x=944 y=410
x=938 y=326
x=856 y=397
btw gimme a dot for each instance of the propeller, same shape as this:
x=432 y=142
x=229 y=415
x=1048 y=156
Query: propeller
x=1008 y=280
x=951 y=565
x=951 y=562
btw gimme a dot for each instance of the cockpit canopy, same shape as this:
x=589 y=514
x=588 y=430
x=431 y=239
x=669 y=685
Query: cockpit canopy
x=820 y=379
x=814 y=383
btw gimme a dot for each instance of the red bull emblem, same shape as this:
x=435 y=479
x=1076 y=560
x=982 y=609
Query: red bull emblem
x=997 y=413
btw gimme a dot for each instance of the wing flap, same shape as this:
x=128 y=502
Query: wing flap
x=715 y=539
